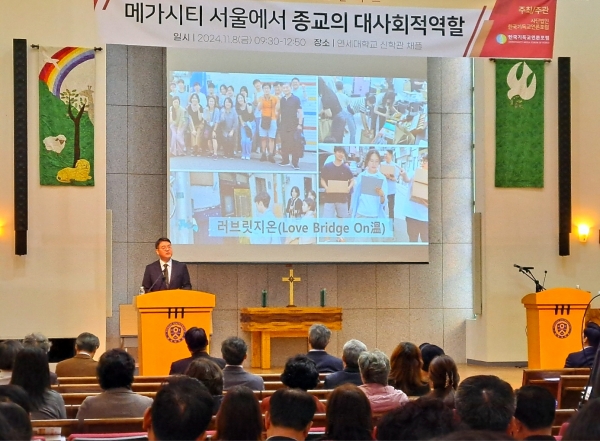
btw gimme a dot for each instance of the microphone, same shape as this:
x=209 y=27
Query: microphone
x=517 y=266
x=162 y=276
x=527 y=268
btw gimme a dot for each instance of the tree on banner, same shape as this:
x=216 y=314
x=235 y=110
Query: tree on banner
x=76 y=105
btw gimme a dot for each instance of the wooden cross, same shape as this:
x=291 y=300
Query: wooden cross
x=291 y=279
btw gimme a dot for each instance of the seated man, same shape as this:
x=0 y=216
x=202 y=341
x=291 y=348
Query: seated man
x=318 y=338
x=290 y=416
x=196 y=341
x=351 y=374
x=485 y=402
x=182 y=410
x=39 y=340
x=585 y=357
x=115 y=375
x=234 y=351
x=83 y=363
x=534 y=413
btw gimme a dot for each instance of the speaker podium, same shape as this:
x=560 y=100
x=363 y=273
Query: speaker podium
x=163 y=319
x=554 y=329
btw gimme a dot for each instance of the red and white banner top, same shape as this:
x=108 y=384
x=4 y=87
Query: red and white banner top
x=501 y=28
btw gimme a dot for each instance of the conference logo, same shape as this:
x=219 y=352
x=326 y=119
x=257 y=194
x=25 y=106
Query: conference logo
x=175 y=332
x=501 y=39
x=562 y=328
x=521 y=88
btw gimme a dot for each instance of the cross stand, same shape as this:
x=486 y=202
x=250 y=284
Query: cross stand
x=291 y=279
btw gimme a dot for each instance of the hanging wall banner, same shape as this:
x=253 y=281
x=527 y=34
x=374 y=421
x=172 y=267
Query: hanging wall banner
x=466 y=28
x=519 y=123
x=67 y=83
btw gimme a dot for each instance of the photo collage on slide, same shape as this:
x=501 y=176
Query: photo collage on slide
x=297 y=159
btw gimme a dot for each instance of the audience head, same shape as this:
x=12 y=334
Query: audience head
x=592 y=334
x=374 y=367
x=421 y=419
x=428 y=353
x=8 y=353
x=37 y=340
x=351 y=351
x=405 y=369
x=475 y=435
x=115 y=369
x=87 y=342
x=18 y=420
x=32 y=373
x=234 y=351
x=443 y=377
x=534 y=412
x=485 y=402
x=318 y=336
x=208 y=373
x=585 y=425
x=239 y=404
x=11 y=393
x=291 y=413
x=348 y=415
x=300 y=372
x=182 y=410
x=196 y=339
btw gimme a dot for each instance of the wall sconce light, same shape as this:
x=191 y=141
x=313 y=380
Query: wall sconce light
x=584 y=232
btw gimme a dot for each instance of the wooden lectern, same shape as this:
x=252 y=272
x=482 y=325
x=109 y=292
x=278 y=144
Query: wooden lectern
x=554 y=325
x=163 y=319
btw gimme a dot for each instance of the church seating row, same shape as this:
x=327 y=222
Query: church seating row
x=91 y=388
x=570 y=390
x=549 y=378
x=158 y=379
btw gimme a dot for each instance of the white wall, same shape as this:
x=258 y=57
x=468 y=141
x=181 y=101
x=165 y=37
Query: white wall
x=59 y=287
x=521 y=225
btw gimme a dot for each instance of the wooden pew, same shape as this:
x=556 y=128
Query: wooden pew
x=561 y=416
x=104 y=425
x=95 y=388
x=94 y=380
x=78 y=397
x=549 y=378
x=321 y=394
x=570 y=390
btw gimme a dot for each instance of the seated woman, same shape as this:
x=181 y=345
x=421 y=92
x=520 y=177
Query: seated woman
x=197 y=342
x=8 y=353
x=428 y=353
x=210 y=375
x=115 y=375
x=444 y=379
x=300 y=372
x=348 y=415
x=585 y=357
x=405 y=373
x=239 y=404
x=32 y=373
x=374 y=371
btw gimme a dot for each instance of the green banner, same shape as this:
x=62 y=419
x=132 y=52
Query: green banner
x=519 y=123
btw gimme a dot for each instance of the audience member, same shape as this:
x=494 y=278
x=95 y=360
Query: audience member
x=196 y=341
x=32 y=373
x=422 y=419
x=18 y=420
x=585 y=425
x=428 y=353
x=6 y=430
x=405 y=370
x=318 y=338
x=351 y=374
x=585 y=357
x=182 y=410
x=300 y=372
x=234 y=351
x=239 y=404
x=485 y=402
x=374 y=370
x=211 y=376
x=115 y=376
x=534 y=413
x=348 y=415
x=290 y=416
x=39 y=340
x=11 y=393
x=8 y=353
x=444 y=379
x=474 y=435
x=83 y=363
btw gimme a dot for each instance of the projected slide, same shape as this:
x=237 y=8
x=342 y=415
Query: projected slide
x=297 y=160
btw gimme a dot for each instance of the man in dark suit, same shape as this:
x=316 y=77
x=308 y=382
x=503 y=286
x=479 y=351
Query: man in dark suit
x=318 y=338
x=290 y=415
x=234 y=351
x=196 y=341
x=83 y=363
x=534 y=414
x=350 y=374
x=585 y=357
x=165 y=273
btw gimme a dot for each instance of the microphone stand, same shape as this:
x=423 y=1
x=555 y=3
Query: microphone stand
x=529 y=275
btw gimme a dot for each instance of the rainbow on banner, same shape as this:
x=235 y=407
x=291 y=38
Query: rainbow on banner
x=60 y=64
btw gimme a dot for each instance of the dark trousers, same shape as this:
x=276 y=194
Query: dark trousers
x=289 y=147
x=416 y=228
x=391 y=203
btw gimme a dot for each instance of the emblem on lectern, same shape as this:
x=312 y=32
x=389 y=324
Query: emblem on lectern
x=562 y=328
x=175 y=332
